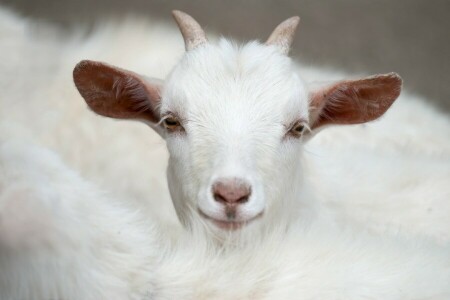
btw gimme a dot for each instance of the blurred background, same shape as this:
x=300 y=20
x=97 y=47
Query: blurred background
x=411 y=37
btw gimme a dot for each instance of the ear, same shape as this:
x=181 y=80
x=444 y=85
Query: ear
x=354 y=101
x=116 y=93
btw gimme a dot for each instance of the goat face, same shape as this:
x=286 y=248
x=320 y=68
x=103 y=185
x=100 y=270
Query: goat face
x=234 y=118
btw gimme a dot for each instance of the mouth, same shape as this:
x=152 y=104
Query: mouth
x=228 y=225
x=231 y=225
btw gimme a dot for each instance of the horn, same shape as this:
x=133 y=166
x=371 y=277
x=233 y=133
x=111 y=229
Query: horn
x=283 y=35
x=192 y=32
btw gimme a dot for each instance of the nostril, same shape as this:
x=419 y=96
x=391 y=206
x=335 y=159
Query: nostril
x=243 y=199
x=231 y=191
x=225 y=199
x=219 y=198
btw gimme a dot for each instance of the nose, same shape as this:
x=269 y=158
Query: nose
x=231 y=191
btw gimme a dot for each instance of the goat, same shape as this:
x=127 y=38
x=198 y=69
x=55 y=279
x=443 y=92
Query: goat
x=112 y=251
x=235 y=153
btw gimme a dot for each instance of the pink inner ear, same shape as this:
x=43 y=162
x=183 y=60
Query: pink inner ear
x=354 y=102
x=117 y=93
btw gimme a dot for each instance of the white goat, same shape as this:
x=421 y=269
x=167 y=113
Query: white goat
x=297 y=263
x=236 y=152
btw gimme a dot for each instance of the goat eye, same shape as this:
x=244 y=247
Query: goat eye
x=297 y=129
x=171 y=123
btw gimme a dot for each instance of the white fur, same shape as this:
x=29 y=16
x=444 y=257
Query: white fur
x=62 y=238
x=409 y=146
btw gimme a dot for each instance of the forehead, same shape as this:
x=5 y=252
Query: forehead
x=227 y=78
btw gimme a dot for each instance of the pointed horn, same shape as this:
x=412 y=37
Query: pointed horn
x=192 y=32
x=283 y=35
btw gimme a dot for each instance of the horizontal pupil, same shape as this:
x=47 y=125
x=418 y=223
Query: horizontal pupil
x=171 y=122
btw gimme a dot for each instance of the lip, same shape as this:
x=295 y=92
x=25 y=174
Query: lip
x=229 y=225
